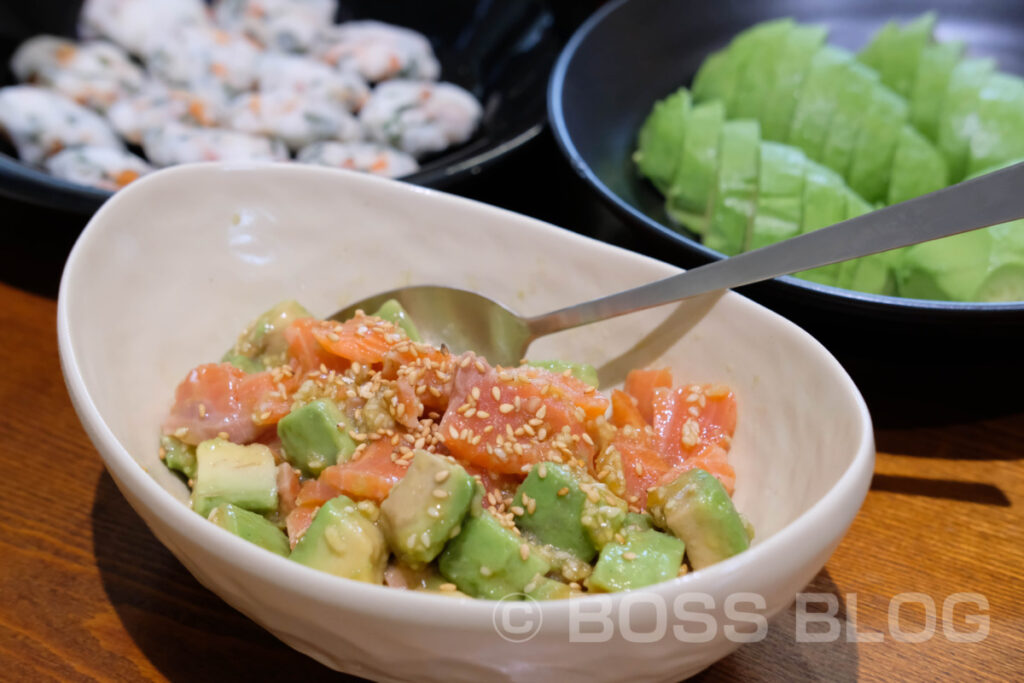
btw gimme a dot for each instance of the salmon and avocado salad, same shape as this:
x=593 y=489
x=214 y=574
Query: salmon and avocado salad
x=358 y=449
x=781 y=133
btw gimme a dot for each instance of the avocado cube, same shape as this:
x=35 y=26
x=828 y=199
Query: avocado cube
x=178 y=456
x=243 y=363
x=543 y=588
x=551 y=502
x=636 y=521
x=395 y=313
x=264 y=339
x=917 y=167
x=948 y=269
x=425 y=507
x=343 y=542
x=647 y=557
x=661 y=137
x=227 y=472
x=486 y=560
x=251 y=527
x=584 y=372
x=698 y=511
x=603 y=513
x=315 y=436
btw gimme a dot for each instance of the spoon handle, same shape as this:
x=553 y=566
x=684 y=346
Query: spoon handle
x=988 y=200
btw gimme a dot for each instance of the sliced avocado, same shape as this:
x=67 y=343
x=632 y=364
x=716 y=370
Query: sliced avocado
x=604 y=513
x=251 y=527
x=948 y=269
x=855 y=91
x=716 y=78
x=789 y=72
x=871 y=167
x=263 y=340
x=243 y=363
x=895 y=52
x=698 y=511
x=636 y=521
x=917 y=167
x=551 y=502
x=959 y=118
x=543 y=588
x=693 y=188
x=779 y=196
x=660 y=142
x=817 y=100
x=1005 y=283
x=226 y=472
x=178 y=456
x=341 y=541
x=584 y=372
x=647 y=557
x=999 y=135
x=757 y=49
x=736 y=194
x=824 y=205
x=316 y=436
x=393 y=312
x=934 y=69
x=486 y=560
x=875 y=274
x=426 y=507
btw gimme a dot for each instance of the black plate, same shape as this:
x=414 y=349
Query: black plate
x=500 y=51
x=633 y=52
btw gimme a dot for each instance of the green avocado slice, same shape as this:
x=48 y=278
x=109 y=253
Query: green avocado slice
x=948 y=269
x=917 y=167
x=790 y=69
x=824 y=205
x=780 y=194
x=660 y=142
x=959 y=117
x=876 y=145
x=934 y=69
x=716 y=77
x=895 y=52
x=757 y=51
x=855 y=90
x=1000 y=115
x=736 y=197
x=690 y=196
x=817 y=101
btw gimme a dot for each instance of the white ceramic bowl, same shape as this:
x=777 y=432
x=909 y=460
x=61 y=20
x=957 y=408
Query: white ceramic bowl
x=170 y=269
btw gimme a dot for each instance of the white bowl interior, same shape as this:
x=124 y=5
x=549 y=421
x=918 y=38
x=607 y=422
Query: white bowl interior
x=170 y=271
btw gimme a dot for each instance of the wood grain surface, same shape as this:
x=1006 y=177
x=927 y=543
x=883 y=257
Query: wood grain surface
x=87 y=592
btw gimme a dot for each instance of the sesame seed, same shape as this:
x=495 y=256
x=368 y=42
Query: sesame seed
x=496 y=393
x=471 y=412
x=202 y=410
x=517 y=510
x=220 y=435
x=524 y=552
x=542 y=471
x=628 y=555
x=441 y=476
x=542 y=411
x=448 y=587
x=506 y=408
x=440 y=494
x=485 y=570
x=592 y=495
x=453 y=432
x=638 y=467
x=563 y=491
x=586 y=437
x=694 y=410
x=182 y=432
x=531 y=505
x=482 y=414
x=481 y=367
x=476 y=393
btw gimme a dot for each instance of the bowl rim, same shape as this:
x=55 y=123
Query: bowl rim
x=414 y=607
x=633 y=215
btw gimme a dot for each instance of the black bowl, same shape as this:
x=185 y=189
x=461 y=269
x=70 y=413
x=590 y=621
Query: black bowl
x=631 y=53
x=500 y=51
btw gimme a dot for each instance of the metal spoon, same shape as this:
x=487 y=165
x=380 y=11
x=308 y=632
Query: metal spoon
x=469 y=321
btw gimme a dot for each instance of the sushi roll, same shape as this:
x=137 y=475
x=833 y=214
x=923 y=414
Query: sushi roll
x=368 y=157
x=296 y=119
x=302 y=75
x=420 y=118
x=177 y=143
x=281 y=25
x=95 y=73
x=378 y=51
x=103 y=167
x=41 y=123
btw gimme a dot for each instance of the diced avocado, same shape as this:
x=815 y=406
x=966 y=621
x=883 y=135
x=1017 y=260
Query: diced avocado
x=584 y=372
x=951 y=268
x=779 y=196
x=693 y=188
x=315 y=436
x=393 y=312
x=426 y=507
x=636 y=521
x=855 y=91
x=551 y=501
x=226 y=472
x=263 y=340
x=716 y=78
x=661 y=137
x=1000 y=122
x=341 y=541
x=790 y=70
x=871 y=167
x=736 y=194
x=604 y=513
x=875 y=275
x=934 y=69
x=959 y=118
x=178 y=456
x=251 y=527
x=1005 y=283
x=543 y=588
x=824 y=205
x=243 y=363
x=697 y=510
x=917 y=167
x=486 y=560
x=647 y=557
x=757 y=50
x=817 y=100
x=895 y=52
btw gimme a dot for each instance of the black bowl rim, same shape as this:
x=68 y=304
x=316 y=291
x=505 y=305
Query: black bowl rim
x=560 y=131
